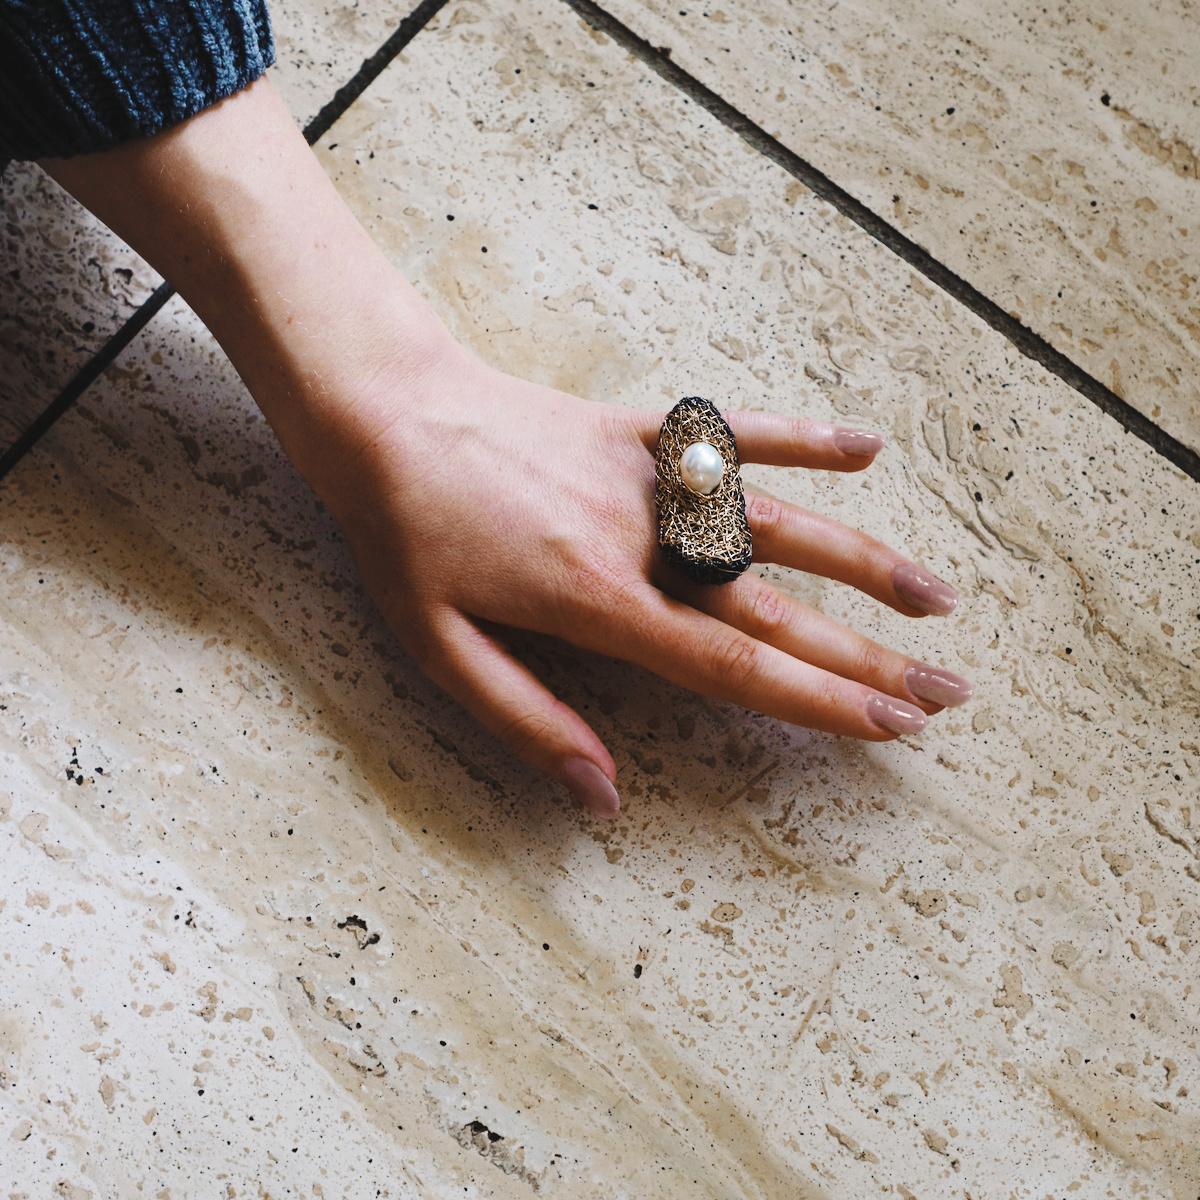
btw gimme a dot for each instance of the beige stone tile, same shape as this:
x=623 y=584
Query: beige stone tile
x=320 y=44
x=959 y=964
x=1048 y=154
x=134 y=999
x=69 y=283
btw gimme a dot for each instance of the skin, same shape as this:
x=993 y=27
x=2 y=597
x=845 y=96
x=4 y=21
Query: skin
x=430 y=458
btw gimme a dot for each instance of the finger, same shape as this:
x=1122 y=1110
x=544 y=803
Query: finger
x=782 y=441
x=512 y=703
x=794 y=537
x=697 y=651
x=769 y=615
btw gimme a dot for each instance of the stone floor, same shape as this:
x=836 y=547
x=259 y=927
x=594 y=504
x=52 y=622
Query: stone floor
x=277 y=920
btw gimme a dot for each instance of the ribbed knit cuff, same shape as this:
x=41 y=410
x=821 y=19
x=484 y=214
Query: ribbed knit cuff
x=82 y=75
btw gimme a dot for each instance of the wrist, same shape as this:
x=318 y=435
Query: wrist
x=235 y=211
x=331 y=409
x=328 y=337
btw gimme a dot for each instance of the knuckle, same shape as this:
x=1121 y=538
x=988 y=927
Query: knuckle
x=866 y=553
x=800 y=430
x=765 y=513
x=769 y=610
x=526 y=734
x=598 y=587
x=831 y=694
x=737 y=662
x=617 y=425
x=870 y=660
x=587 y=581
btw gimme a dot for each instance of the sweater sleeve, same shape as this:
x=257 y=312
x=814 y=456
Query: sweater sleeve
x=82 y=75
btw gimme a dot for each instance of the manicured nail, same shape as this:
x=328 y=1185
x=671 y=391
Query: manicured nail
x=896 y=716
x=937 y=686
x=591 y=787
x=858 y=442
x=918 y=588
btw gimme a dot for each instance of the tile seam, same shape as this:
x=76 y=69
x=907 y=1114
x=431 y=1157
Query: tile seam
x=1030 y=344
x=87 y=374
x=99 y=360
x=1025 y=340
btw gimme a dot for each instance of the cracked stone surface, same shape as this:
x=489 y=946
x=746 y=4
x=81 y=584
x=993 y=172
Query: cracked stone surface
x=69 y=283
x=1046 y=153
x=279 y=917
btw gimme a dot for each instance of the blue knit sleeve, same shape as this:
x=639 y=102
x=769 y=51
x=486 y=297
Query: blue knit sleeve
x=82 y=75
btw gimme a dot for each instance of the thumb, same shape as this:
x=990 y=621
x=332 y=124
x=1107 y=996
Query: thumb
x=511 y=702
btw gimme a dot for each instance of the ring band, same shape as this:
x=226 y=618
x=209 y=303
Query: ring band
x=702 y=526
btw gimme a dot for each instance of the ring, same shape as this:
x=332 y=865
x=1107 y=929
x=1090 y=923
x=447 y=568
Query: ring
x=702 y=526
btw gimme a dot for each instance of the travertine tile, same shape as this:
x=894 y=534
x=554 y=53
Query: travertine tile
x=964 y=964
x=1047 y=153
x=320 y=44
x=69 y=283
x=134 y=997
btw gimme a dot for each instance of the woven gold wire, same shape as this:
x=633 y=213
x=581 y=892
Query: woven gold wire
x=706 y=537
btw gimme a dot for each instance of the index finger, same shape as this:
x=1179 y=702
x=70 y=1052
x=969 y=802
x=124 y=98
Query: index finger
x=776 y=440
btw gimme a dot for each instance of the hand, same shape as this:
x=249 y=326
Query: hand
x=480 y=502
x=477 y=502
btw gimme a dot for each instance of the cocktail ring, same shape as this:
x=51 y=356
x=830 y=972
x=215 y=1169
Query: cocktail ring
x=702 y=526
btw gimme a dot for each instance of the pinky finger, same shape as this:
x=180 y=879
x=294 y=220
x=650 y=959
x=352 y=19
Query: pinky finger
x=508 y=700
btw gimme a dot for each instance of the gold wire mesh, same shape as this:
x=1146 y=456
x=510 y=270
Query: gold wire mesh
x=706 y=537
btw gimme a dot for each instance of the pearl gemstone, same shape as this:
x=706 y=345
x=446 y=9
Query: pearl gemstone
x=701 y=468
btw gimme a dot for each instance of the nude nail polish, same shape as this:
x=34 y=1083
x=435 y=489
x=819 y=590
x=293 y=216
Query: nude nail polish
x=858 y=442
x=921 y=589
x=591 y=787
x=937 y=686
x=896 y=716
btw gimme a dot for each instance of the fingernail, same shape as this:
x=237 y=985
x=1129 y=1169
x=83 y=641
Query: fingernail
x=857 y=442
x=896 y=716
x=938 y=686
x=918 y=588
x=591 y=787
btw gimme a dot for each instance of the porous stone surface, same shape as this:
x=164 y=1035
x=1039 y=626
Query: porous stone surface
x=69 y=283
x=279 y=918
x=1047 y=153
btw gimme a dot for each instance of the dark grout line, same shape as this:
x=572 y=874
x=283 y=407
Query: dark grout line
x=1030 y=344
x=370 y=70
x=85 y=377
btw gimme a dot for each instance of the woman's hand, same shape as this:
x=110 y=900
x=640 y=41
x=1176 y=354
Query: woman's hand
x=479 y=501
x=475 y=501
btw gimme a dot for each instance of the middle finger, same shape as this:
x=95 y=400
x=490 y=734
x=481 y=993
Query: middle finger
x=790 y=536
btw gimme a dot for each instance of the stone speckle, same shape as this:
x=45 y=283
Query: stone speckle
x=929 y=945
x=1076 y=216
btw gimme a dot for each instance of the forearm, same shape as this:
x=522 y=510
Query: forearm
x=233 y=208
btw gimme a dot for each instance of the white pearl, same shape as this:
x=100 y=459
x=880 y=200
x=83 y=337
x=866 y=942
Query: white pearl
x=701 y=468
